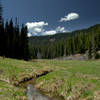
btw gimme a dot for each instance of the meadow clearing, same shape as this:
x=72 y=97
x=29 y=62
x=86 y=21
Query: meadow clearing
x=72 y=80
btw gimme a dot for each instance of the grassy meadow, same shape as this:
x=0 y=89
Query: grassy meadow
x=72 y=80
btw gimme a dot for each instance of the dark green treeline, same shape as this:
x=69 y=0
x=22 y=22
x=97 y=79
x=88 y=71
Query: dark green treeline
x=13 y=41
x=82 y=41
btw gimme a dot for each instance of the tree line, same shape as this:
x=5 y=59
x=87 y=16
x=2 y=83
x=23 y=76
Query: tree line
x=87 y=40
x=13 y=40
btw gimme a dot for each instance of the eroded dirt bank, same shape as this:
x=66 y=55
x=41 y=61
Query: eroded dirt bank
x=37 y=74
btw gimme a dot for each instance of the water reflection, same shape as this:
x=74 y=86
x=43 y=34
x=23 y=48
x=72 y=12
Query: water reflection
x=33 y=94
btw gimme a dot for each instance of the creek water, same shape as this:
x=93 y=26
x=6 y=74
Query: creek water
x=35 y=94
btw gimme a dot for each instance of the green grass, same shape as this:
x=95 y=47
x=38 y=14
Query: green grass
x=69 y=78
x=9 y=92
x=77 y=78
x=18 y=69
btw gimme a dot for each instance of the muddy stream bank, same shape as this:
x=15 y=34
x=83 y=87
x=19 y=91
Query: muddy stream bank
x=33 y=93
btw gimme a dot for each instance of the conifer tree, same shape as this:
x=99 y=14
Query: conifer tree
x=0 y=13
x=1 y=31
x=90 y=50
x=94 y=47
x=24 y=43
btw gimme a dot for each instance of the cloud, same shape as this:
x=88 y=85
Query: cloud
x=29 y=34
x=61 y=29
x=34 y=28
x=51 y=32
x=57 y=30
x=69 y=17
x=38 y=29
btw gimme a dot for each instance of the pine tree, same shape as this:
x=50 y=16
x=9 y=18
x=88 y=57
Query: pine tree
x=0 y=13
x=90 y=51
x=7 y=39
x=94 y=47
x=16 y=42
x=11 y=39
x=1 y=32
x=24 y=43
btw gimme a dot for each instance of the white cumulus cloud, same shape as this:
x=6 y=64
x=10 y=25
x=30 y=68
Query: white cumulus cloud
x=29 y=34
x=57 y=30
x=34 y=28
x=69 y=17
x=51 y=32
x=61 y=29
x=38 y=29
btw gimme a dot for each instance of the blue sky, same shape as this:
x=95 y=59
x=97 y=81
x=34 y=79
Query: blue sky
x=47 y=17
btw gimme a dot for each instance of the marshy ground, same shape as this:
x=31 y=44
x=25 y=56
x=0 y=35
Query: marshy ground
x=71 y=80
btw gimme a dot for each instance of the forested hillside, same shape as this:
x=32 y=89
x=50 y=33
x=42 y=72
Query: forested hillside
x=65 y=44
x=50 y=38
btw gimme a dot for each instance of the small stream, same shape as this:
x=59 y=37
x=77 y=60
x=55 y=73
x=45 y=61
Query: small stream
x=35 y=94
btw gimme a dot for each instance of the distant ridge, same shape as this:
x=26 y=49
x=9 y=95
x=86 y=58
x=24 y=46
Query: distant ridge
x=59 y=36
